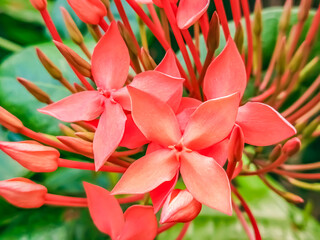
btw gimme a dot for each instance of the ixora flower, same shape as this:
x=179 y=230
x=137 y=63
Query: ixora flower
x=261 y=124
x=110 y=66
x=210 y=123
x=138 y=222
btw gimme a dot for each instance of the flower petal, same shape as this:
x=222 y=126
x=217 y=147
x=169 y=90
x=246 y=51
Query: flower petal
x=109 y=133
x=132 y=137
x=140 y=223
x=158 y=123
x=159 y=194
x=262 y=125
x=85 y=105
x=168 y=65
x=157 y=84
x=105 y=210
x=189 y=11
x=207 y=181
x=110 y=60
x=226 y=74
x=211 y=122
x=185 y=110
x=218 y=152
x=148 y=172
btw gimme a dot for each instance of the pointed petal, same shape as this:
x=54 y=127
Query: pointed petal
x=157 y=84
x=185 y=110
x=152 y=147
x=168 y=65
x=109 y=133
x=197 y=171
x=110 y=60
x=158 y=123
x=226 y=74
x=218 y=152
x=189 y=11
x=132 y=137
x=211 y=122
x=104 y=209
x=262 y=125
x=148 y=172
x=122 y=97
x=80 y=106
x=159 y=194
x=140 y=224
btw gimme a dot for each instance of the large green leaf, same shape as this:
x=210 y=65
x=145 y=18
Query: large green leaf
x=276 y=218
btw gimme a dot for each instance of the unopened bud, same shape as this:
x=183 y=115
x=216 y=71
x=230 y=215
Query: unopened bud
x=275 y=153
x=106 y=3
x=32 y=155
x=23 y=193
x=72 y=27
x=180 y=206
x=295 y=62
x=305 y=185
x=52 y=69
x=292 y=146
x=257 y=22
x=87 y=136
x=78 y=144
x=213 y=39
x=147 y=60
x=39 y=94
x=311 y=127
x=285 y=17
x=236 y=145
x=74 y=59
x=66 y=130
x=238 y=37
x=304 y=10
x=293 y=198
x=10 y=121
x=127 y=38
x=78 y=87
x=309 y=69
x=90 y=12
x=39 y=4
x=77 y=128
x=281 y=61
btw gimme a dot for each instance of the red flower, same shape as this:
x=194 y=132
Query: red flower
x=138 y=222
x=210 y=123
x=110 y=66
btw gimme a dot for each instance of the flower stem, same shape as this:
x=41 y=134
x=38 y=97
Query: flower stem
x=242 y=220
x=183 y=231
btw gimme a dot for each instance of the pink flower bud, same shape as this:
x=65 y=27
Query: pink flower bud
x=22 y=192
x=39 y=4
x=32 y=155
x=236 y=145
x=292 y=146
x=89 y=11
x=180 y=206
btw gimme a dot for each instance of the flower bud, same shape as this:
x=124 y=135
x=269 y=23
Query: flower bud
x=72 y=27
x=296 y=60
x=87 y=136
x=180 y=206
x=236 y=145
x=89 y=11
x=32 y=155
x=238 y=37
x=213 y=39
x=52 y=69
x=147 y=60
x=39 y=4
x=285 y=17
x=311 y=127
x=77 y=128
x=83 y=67
x=257 y=22
x=39 y=94
x=66 y=130
x=78 y=87
x=292 y=146
x=275 y=153
x=78 y=144
x=304 y=10
x=23 y=193
x=10 y=121
x=293 y=198
x=127 y=38
x=281 y=61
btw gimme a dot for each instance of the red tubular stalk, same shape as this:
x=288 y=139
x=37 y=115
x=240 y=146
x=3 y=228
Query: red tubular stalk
x=126 y=153
x=301 y=167
x=236 y=12
x=249 y=213
x=222 y=17
x=154 y=17
x=165 y=227
x=204 y=24
x=242 y=220
x=103 y=24
x=183 y=231
x=130 y=199
x=297 y=175
x=313 y=28
x=246 y=13
x=88 y=166
x=193 y=49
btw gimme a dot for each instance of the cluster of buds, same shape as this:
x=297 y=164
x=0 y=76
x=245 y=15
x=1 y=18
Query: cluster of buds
x=193 y=122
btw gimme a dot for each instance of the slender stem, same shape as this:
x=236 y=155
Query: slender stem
x=249 y=213
x=88 y=166
x=300 y=167
x=297 y=175
x=165 y=25
x=9 y=46
x=208 y=60
x=60 y=198
x=127 y=153
x=103 y=24
x=154 y=16
x=143 y=34
x=130 y=199
x=196 y=32
x=222 y=17
x=65 y=204
x=66 y=83
x=314 y=28
x=183 y=231
x=165 y=227
x=85 y=50
x=204 y=25
x=242 y=221
x=236 y=13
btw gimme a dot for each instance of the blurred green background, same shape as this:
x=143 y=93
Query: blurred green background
x=21 y=29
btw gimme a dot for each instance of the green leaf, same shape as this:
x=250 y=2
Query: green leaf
x=15 y=98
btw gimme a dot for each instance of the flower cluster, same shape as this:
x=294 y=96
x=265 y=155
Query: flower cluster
x=191 y=125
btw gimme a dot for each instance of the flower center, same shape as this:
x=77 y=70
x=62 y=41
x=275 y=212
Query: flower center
x=107 y=93
x=179 y=147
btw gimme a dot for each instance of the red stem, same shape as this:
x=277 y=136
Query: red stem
x=155 y=17
x=103 y=24
x=249 y=213
x=242 y=220
x=236 y=12
x=130 y=199
x=183 y=231
x=297 y=175
x=204 y=24
x=88 y=166
x=246 y=13
x=222 y=17
x=127 y=153
x=314 y=27
x=165 y=227
x=301 y=167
